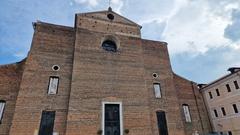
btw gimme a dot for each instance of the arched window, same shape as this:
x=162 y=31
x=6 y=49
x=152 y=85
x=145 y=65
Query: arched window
x=109 y=45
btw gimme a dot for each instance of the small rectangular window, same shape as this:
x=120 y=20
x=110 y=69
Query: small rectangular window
x=235 y=108
x=223 y=111
x=53 y=85
x=218 y=93
x=2 y=106
x=228 y=88
x=157 y=90
x=236 y=84
x=229 y=132
x=215 y=112
x=186 y=113
x=210 y=95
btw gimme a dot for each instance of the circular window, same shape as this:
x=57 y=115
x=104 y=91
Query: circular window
x=155 y=75
x=110 y=16
x=55 y=67
x=109 y=45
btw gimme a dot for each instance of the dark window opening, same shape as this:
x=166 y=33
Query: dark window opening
x=215 y=112
x=229 y=133
x=155 y=75
x=112 y=119
x=236 y=84
x=210 y=95
x=235 y=108
x=109 y=45
x=162 y=123
x=56 y=67
x=110 y=16
x=47 y=123
x=223 y=111
x=228 y=88
x=218 y=93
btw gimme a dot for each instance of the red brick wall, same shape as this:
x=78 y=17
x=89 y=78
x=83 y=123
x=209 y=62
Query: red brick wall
x=10 y=78
x=100 y=23
x=124 y=76
x=156 y=60
x=100 y=76
x=51 y=45
x=188 y=93
x=89 y=75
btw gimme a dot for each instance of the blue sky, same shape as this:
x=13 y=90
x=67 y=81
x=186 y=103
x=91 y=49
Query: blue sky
x=203 y=35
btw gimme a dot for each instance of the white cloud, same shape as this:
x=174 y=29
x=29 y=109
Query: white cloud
x=100 y=4
x=213 y=63
x=91 y=3
x=20 y=55
x=145 y=11
x=192 y=25
x=117 y=5
x=232 y=31
x=200 y=27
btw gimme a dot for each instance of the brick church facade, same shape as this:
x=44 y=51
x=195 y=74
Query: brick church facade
x=98 y=78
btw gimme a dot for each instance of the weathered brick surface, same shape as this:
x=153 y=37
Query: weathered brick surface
x=188 y=93
x=10 y=78
x=52 y=45
x=100 y=76
x=156 y=60
x=89 y=76
x=98 y=21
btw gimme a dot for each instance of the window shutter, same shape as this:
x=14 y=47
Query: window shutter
x=157 y=90
x=2 y=105
x=53 y=85
x=187 y=113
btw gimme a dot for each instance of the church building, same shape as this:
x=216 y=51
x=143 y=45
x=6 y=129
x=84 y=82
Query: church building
x=98 y=78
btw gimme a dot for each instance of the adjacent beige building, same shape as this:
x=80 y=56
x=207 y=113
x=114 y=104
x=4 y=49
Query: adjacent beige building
x=222 y=98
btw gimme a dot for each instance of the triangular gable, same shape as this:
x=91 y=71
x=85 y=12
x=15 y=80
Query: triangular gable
x=102 y=15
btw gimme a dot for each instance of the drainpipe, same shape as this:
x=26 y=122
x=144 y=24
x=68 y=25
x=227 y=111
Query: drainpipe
x=193 y=89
